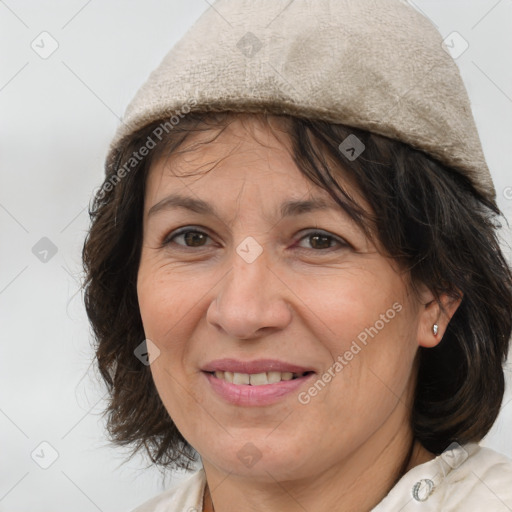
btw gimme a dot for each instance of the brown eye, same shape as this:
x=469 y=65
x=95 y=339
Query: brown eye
x=194 y=238
x=188 y=238
x=320 y=241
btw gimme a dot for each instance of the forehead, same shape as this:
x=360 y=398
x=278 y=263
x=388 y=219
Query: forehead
x=248 y=155
x=245 y=142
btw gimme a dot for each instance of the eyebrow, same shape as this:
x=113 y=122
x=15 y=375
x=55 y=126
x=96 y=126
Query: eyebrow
x=288 y=208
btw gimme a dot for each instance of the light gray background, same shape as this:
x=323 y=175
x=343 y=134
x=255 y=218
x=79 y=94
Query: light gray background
x=57 y=116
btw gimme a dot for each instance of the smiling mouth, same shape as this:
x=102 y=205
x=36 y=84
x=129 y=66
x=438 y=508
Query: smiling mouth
x=257 y=379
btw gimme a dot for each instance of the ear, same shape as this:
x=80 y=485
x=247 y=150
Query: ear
x=435 y=312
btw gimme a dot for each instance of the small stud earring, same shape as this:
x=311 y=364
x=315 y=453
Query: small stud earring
x=435 y=328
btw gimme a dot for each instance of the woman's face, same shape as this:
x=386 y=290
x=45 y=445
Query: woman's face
x=250 y=273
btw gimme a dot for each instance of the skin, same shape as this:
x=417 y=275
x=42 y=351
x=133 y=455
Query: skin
x=300 y=301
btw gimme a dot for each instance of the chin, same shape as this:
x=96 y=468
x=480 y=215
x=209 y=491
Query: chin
x=263 y=459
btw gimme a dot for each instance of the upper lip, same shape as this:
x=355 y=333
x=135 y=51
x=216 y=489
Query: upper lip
x=256 y=366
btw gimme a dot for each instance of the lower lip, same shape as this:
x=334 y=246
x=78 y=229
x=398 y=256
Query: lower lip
x=246 y=395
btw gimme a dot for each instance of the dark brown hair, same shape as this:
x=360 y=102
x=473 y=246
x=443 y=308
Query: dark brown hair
x=428 y=217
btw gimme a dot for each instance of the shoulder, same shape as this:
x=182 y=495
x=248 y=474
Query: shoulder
x=469 y=478
x=185 y=496
x=484 y=479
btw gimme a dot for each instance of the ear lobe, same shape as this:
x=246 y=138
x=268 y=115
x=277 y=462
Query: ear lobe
x=436 y=312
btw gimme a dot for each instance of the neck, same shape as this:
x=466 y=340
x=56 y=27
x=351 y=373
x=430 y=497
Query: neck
x=355 y=485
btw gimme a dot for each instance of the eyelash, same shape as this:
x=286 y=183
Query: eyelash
x=342 y=244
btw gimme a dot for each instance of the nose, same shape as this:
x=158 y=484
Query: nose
x=251 y=301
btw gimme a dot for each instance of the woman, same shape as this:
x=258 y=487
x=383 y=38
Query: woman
x=292 y=269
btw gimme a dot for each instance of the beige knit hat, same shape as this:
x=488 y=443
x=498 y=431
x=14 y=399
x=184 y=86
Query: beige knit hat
x=377 y=65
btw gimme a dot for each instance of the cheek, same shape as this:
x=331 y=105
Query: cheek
x=168 y=302
x=347 y=302
x=367 y=322
x=169 y=309
x=172 y=307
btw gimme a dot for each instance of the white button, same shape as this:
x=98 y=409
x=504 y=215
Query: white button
x=422 y=489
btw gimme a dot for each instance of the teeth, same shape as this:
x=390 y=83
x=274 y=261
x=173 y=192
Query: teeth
x=241 y=378
x=255 y=379
x=274 y=377
x=259 y=378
